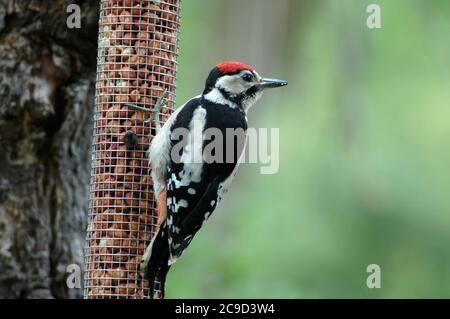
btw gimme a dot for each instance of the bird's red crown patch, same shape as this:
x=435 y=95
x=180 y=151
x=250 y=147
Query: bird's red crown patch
x=232 y=67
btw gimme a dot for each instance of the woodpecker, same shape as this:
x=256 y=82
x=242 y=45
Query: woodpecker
x=189 y=188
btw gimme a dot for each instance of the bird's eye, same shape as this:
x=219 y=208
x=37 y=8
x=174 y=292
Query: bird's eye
x=247 y=77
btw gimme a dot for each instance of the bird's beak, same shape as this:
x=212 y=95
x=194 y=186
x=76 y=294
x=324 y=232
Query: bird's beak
x=267 y=83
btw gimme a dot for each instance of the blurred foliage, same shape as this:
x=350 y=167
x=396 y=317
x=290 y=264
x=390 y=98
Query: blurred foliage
x=364 y=142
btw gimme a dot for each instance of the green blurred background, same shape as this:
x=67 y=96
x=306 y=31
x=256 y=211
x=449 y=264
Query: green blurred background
x=364 y=151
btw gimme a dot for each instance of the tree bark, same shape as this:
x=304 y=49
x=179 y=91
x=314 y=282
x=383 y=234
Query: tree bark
x=47 y=76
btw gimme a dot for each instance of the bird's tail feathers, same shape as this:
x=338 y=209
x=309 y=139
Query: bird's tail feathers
x=158 y=263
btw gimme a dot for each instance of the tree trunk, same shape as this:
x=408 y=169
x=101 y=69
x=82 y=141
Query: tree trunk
x=47 y=75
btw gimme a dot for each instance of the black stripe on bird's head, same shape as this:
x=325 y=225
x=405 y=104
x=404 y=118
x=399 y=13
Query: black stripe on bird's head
x=237 y=83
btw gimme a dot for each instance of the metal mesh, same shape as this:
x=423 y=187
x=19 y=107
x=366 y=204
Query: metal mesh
x=137 y=62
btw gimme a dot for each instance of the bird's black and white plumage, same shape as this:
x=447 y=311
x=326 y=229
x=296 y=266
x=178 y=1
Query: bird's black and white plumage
x=191 y=183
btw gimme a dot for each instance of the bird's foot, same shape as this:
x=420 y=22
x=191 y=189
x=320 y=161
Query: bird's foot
x=159 y=104
x=155 y=111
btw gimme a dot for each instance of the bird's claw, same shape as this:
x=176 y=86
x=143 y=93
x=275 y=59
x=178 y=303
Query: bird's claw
x=159 y=104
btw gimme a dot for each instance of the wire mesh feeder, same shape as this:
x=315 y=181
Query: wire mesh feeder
x=137 y=62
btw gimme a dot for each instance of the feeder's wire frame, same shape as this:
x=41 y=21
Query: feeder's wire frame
x=136 y=69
